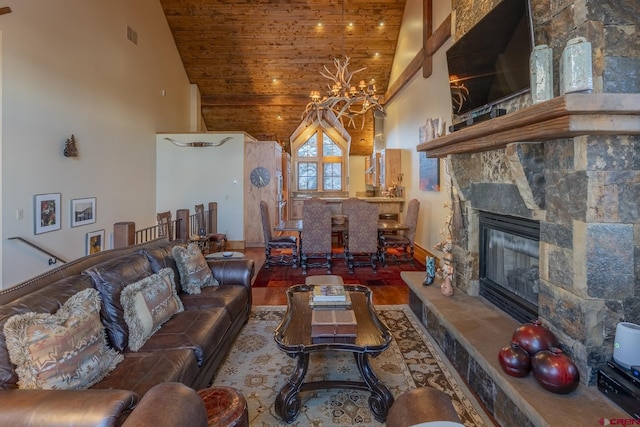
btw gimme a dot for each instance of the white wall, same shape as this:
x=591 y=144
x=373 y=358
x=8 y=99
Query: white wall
x=68 y=68
x=420 y=99
x=187 y=176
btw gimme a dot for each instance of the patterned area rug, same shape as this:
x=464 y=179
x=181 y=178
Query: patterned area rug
x=257 y=368
x=280 y=276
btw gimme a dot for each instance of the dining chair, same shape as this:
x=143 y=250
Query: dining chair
x=401 y=242
x=361 y=241
x=206 y=227
x=316 y=235
x=165 y=224
x=286 y=246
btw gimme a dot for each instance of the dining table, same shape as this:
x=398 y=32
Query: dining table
x=384 y=226
x=296 y=225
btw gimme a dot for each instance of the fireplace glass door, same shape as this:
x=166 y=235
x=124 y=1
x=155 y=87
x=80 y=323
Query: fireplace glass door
x=509 y=264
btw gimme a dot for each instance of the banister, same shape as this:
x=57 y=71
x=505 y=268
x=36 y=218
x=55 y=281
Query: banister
x=54 y=259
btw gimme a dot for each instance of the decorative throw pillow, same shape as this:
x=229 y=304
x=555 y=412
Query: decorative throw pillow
x=66 y=351
x=194 y=270
x=148 y=304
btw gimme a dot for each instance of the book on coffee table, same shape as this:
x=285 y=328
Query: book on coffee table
x=346 y=303
x=326 y=293
x=333 y=323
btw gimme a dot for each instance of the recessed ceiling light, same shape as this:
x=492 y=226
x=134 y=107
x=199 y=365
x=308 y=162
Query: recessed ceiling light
x=274 y=80
x=377 y=54
x=381 y=24
x=319 y=24
x=350 y=24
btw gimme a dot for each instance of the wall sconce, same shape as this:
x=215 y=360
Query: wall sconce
x=70 y=149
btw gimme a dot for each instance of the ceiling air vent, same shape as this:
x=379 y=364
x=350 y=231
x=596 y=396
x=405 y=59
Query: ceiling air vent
x=132 y=35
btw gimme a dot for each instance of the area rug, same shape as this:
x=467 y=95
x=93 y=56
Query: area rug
x=283 y=276
x=257 y=368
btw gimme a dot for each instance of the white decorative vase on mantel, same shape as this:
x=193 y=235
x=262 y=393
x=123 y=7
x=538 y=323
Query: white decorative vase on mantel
x=576 y=67
x=541 y=71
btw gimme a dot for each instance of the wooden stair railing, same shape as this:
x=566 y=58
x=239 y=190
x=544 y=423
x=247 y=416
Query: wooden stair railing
x=125 y=233
x=53 y=258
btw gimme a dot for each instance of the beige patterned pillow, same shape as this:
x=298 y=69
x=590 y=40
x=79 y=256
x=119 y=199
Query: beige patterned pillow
x=193 y=268
x=66 y=351
x=148 y=304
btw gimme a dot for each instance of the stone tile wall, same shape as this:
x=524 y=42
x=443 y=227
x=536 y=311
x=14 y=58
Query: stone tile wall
x=585 y=191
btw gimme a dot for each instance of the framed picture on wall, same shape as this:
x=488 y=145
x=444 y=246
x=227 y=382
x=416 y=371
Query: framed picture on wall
x=46 y=212
x=95 y=242
x=429 y=168
x=83 y=211
x=429 y=173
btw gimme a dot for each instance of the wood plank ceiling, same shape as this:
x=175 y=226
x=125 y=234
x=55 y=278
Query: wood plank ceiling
x=256 y=61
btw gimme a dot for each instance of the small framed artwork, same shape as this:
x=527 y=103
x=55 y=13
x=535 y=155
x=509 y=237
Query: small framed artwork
x=429 y=173
x=83 y=211
x=95 y=242
x=429 y=168
x=46 y=212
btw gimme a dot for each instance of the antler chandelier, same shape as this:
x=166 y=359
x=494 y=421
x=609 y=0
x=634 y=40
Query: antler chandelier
x=345 y=100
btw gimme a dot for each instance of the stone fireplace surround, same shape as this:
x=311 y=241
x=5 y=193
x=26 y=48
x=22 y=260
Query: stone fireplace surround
x=583 y=185
x=571 y=163
x=585 y=191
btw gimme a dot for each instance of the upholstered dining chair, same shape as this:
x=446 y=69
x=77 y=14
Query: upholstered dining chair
x=362 y=233
x=316 y=235
x=207 y=227
x=401 y=242
x=286 y=246
x=165 y=224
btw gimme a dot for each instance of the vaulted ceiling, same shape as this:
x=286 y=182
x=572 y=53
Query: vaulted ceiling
x=256 y=61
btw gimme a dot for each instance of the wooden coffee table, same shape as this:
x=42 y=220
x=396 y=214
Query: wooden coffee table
x=293 y=336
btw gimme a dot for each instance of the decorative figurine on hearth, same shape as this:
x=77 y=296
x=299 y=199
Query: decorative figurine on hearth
x=446 y=246
x=446 y=272
x=430 y=263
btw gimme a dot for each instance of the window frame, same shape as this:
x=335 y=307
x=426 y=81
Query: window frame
x=321 y=160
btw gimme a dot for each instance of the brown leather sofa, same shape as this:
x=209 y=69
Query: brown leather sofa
x=185 y=351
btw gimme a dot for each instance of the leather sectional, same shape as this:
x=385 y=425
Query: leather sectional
x=185 y=351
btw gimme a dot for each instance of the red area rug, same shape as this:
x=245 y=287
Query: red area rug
x=280 y=276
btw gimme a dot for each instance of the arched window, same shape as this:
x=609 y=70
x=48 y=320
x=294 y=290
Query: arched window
x=320 y=160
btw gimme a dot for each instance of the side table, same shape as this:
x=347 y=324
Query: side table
x=226 y=407
x=225 y=255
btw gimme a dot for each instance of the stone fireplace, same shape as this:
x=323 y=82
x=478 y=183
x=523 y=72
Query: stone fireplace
x=583 y=188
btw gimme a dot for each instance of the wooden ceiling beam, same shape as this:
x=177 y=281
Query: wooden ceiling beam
x=423 y=58
x=427 y=30
x=249 y=100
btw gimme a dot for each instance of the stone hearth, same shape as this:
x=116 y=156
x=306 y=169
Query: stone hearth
x=470 y=332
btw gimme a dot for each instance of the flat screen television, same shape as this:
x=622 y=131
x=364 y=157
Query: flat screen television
x=490 y=63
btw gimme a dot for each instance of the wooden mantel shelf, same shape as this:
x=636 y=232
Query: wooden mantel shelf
x=562 y=117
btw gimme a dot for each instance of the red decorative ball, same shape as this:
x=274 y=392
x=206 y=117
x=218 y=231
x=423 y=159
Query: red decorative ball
x=533 y=337
x=514 y=360
x=555 y=371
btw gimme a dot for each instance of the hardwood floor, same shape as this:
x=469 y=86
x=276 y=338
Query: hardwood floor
x=382 y=295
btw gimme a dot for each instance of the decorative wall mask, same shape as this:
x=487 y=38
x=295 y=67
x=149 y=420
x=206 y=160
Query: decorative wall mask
x=70 y=149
